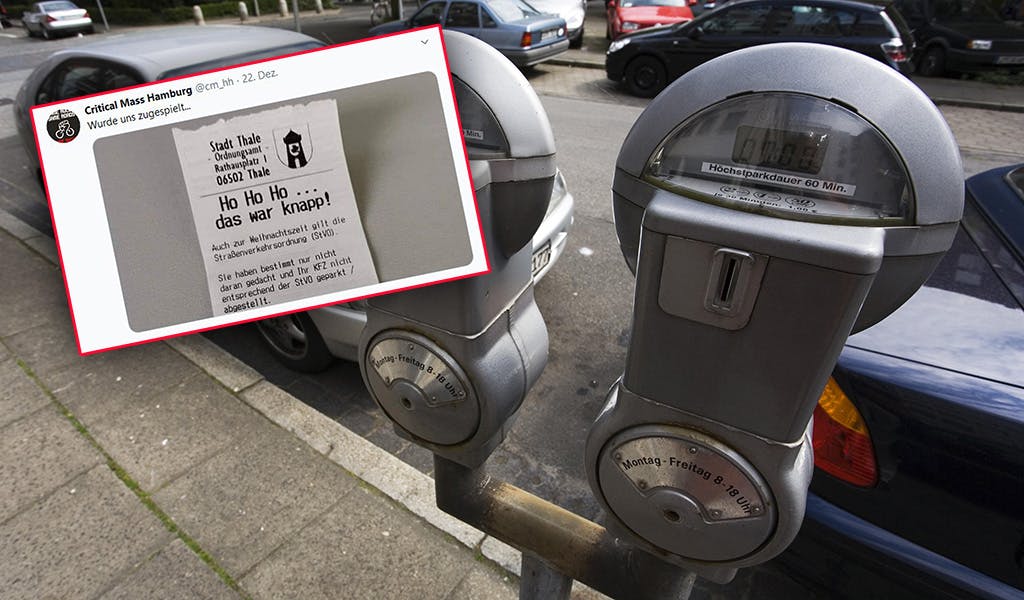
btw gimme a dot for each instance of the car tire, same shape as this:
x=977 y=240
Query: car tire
x=296 y=342
x=646 y=76
x=45 y=33
x=933 y=63
x=608 y=32
x=577 y=42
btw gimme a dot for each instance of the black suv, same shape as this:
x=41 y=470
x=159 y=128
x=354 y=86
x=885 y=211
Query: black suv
x=650 y=59
x=962 y=36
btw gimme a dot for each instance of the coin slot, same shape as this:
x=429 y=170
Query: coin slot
x=407 y=403
x=727 y=281
x=671 y=516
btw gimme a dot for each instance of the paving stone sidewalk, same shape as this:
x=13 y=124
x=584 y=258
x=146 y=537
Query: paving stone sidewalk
x=171 y=470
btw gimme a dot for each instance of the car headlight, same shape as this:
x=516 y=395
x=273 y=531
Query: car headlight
x=979 y=44
x=617 y=45
x=628 y=26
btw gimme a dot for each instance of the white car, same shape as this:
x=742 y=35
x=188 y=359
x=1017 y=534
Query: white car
x=573 y=11
x=60 y=17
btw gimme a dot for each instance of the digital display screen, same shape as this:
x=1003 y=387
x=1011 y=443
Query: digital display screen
x=801 y=151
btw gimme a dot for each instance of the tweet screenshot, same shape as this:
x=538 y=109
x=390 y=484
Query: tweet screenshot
x=259 y=190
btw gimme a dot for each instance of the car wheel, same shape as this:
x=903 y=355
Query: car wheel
x=577 y=42
x=46 y=33
x=645 y=76
x=933 y=63
x=295 y=341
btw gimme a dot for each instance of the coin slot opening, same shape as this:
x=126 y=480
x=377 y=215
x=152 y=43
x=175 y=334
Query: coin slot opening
x=671 y=516
x=407 y=403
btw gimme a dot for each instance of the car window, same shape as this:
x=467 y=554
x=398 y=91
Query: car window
x=804 y=21
x=428 y=15
x=462 y=14
x=863 y=24
x=739 y=20
x=974 y=11
x=81 y=78
x=238 y=59
x=486 y=19
x=512 y=10
x=55 y=6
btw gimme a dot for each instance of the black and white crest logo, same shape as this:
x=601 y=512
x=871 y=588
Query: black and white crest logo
x=294 y=146
x=63 y=126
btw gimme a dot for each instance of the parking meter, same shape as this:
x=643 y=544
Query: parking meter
x=450 y=364
x=769 y=207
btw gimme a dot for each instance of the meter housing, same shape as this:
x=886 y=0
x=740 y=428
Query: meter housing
x=450 y=364
x=768 y=207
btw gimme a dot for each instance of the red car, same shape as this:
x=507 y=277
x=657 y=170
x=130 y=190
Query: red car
x=625 y=16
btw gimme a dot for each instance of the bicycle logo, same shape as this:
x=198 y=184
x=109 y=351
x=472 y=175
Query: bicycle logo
x=63 y=126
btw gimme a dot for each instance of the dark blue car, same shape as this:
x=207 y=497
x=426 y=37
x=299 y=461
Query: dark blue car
x=919 y=440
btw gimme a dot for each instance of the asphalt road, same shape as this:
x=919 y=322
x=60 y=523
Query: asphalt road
x=585 y=299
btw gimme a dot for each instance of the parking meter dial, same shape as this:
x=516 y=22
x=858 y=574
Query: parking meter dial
x=421 y=388
x=687 y=493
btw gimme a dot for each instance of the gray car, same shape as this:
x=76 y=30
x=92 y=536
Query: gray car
x=516 y=29
x=60 y=17
x=304 y=341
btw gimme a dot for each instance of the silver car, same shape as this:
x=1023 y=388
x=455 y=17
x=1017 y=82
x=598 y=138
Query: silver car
x=304 y=341
x=60 y=17
x=573 y=11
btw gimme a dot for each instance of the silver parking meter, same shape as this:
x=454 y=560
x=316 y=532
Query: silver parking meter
x=450 y=364
x=769 y=206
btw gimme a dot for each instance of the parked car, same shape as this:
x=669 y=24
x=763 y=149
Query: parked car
x=517 y=30
x=626 y=16
x=961 y=36
x=574 y=13
x=52 y=19
x=919 y=438
x=130 y=59
x=649 y=60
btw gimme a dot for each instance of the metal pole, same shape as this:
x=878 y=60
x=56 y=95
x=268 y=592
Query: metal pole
x=295 y=11
x=581 y=549
x=256 y=5
x=539 y=581
x=103 y=15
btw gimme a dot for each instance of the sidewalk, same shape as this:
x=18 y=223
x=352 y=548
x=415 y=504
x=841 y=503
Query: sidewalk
x=171 y=470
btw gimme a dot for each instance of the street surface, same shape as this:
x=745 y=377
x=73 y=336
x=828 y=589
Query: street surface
x=585 y=299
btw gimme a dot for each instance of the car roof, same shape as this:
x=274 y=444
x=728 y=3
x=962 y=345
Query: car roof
x=153 y=53
x=868 y=6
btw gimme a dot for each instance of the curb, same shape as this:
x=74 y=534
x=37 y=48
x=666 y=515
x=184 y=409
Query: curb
x=395 y=479
x=378 y=468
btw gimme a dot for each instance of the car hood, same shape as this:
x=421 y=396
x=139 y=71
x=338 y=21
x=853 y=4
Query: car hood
x=962 y=320
x=983 y=30
x=654 y=14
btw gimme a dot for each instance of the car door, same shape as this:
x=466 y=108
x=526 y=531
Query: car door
x=729 y=29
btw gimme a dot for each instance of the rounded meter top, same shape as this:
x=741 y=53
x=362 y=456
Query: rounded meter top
x=770 y=130
x=500 y=113
x=806 y=133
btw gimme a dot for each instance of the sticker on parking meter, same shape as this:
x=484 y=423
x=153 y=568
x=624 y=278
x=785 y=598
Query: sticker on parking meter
x=274 y=208
x=254 y=191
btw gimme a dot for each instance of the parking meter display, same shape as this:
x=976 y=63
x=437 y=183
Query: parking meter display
x=819 y=162
x=273 y=206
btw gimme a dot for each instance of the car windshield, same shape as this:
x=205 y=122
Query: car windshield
x=975 y=11
x=55 y=6
x=239 y=59
x=631 y=3
x=512 y=10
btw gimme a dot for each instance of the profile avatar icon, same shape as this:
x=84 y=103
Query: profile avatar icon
x=294 y=150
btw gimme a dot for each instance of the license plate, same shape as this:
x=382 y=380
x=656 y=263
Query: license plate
x=547 y=35
x=541 y=258
x=1010 y=60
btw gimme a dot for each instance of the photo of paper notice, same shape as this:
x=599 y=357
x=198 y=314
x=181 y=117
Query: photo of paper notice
x=273 y=206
